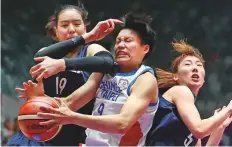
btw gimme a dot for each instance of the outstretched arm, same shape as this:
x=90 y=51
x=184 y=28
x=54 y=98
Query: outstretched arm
x=98 y=58
x=62 y=48
x=85 y=93
x=143 y=92
x=74 y=101
x=184 y=100
x=101 y=61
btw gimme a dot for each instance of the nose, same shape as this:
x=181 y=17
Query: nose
x=121 y=44
x=71 y=29
x=195 y=69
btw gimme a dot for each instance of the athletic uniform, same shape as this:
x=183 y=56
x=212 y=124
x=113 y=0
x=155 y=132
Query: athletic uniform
x=110 y=98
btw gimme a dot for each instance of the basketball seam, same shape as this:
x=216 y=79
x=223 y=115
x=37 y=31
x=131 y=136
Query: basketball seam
x=60 y=126
x=31 y=117
x=36 y=101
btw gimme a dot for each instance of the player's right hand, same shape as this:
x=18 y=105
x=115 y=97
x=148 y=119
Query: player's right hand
x=226 y=122
x=31 y=90
x=56 y=116
x=102 y=29
x=230 y=106
x=47 y=67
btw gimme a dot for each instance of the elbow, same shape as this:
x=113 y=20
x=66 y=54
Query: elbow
x=122 y=127
x=199 y=133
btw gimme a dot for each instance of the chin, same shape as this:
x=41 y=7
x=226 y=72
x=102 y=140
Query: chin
x=122 y=61
x=196 y=85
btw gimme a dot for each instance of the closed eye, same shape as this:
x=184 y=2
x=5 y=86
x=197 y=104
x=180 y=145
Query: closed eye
x=117 y=41
x=64 y=25
x=128 y=40
x=77 y=24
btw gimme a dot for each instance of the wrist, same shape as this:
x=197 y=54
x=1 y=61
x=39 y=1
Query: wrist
x=87 y=37
x=222 y=127
x=62 y=64
x=69 y=103
x=73 y=117
x=230 y=109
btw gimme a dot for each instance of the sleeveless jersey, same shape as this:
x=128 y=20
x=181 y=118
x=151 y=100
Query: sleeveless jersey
x=110 y=98
x=62 y=85
x=168 y=129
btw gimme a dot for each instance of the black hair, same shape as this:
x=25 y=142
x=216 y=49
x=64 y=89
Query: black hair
x=140 y=23
x=53 y=20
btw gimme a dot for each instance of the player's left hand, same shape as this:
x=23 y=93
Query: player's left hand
x=57 y=116
x=47 y=67
x=226 y=122
x=31 y=90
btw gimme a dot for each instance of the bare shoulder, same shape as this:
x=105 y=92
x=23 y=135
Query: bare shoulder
x=146 y=87
x=147 y=78
x=180 y=92
x=146 y=81
x=94 y=48
x=95 y=45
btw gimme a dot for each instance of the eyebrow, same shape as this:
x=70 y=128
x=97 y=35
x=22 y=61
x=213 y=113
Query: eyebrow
x=191 y=61
x=120 y=38
x=63 y=21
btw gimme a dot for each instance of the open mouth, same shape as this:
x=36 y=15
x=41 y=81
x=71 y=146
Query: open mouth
x=195 y=77
x=120 y=53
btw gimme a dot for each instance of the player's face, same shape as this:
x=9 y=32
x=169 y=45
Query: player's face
x=191 y=72
x=129 y=49
x=70 y=24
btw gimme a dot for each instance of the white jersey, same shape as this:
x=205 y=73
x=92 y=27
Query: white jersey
x=110 y=98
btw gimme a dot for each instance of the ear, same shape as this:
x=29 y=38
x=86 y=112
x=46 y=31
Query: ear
x=85 y=27
x=55 y=30
x=175 y=77
x=146 y=48
x=56 y=33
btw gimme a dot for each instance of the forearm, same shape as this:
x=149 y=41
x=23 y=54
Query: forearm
x=85 y=93
x=102 y=62
x=104 y=123
x=216 y=137
x=60 y=49
x=207 y=126
x=77 y=100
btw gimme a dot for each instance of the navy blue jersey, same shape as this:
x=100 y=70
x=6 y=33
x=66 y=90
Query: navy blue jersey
x=62 y=85
x=168 y=129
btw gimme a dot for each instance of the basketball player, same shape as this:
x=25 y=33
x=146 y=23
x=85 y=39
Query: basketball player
x=69 y=22
x=177 y=121
x=126 y=102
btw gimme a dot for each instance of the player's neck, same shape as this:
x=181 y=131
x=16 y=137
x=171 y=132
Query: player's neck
x=195 y=90
x=126 y=69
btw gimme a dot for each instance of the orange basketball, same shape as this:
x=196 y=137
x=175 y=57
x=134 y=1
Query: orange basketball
x=28 y=120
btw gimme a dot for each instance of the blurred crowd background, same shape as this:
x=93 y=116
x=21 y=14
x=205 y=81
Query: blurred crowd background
x=207 y=25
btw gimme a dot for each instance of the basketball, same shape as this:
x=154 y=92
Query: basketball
x=28 y=120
